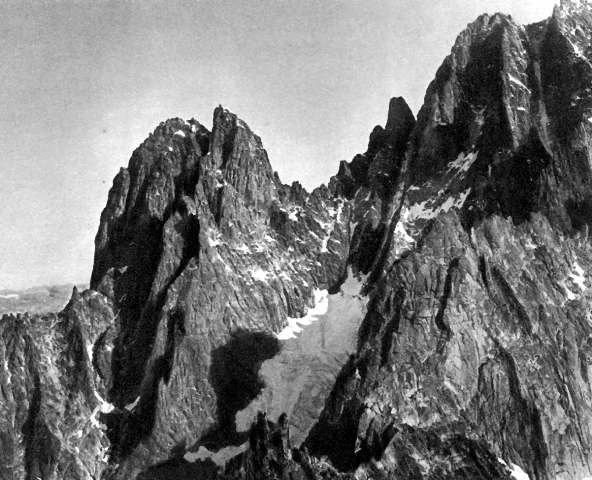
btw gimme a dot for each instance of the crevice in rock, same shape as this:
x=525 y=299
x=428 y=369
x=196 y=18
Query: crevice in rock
x=228 y=145
x=127 y=429
x=483 y=270
x=128 y=363
x=335 y=434
x=453 y=268
x=531 y=426
x=218 y=208
x=392 y=326
x=41 y=446
x=511 y=303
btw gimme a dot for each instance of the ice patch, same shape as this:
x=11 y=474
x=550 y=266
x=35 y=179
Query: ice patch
x=180 y=133
x=313 y=314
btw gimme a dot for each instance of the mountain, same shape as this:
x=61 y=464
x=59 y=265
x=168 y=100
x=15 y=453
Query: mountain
x=425 y=315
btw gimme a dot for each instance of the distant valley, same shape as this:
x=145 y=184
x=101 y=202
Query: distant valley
x=43 y=299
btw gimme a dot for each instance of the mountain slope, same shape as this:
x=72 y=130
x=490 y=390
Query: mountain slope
x=425 y=315
x=482 y=330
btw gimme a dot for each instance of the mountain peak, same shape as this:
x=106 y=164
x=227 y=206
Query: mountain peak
x=399 y=114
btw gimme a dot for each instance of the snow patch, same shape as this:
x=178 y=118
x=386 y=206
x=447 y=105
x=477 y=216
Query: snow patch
x=89 y=351
x=8 y=372
x=313 y=314
x=180 y=133
x=214 y=240
x=578 y=277
x=300 y=378
x=9 y=296
x=330 y=227
x=463 y=162
x=515 y=471
x=423 y=210
x=130 y=406
x=243 y=249
x=568 y=293
x=103 y=407
x=517 y=81
x=259 y=274
x=294 y=213
x=402 y=241
x=220 y=458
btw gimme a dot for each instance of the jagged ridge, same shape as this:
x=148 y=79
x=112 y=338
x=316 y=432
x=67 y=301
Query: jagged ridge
x=475 y=343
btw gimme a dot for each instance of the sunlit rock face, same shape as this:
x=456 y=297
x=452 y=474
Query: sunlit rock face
x=425 y=315
x=50 y=395
x=478 y=325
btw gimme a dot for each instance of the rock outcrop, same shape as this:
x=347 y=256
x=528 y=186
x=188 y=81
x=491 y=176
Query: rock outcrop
x=425 y=315
x=51 y=397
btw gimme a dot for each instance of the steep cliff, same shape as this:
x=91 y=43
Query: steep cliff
x=480 y=331
x=206 y=256
x=425 y=315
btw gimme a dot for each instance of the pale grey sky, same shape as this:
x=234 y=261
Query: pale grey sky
x=83 y=82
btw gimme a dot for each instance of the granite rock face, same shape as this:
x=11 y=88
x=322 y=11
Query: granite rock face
x=51 y=397
x=205 y=256
x=425 y=315
x=480 y=328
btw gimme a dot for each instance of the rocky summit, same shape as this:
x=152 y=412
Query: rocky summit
x=427 y=315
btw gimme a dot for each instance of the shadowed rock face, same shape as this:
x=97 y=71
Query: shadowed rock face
x=465 y=233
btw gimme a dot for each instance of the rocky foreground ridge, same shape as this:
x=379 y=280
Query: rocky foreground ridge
x=425 y=315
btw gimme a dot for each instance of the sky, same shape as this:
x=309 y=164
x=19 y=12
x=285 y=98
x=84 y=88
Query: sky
x=82 y=83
